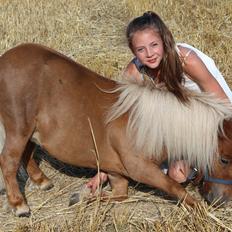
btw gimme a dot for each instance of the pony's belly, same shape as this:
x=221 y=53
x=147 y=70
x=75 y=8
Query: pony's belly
x=77 y=150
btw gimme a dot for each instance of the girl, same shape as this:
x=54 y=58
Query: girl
x=170 y=64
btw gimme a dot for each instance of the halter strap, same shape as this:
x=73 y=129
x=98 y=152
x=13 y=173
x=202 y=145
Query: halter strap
x=208 y=178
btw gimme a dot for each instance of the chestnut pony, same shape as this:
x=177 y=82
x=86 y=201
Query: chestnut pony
x=48 y=99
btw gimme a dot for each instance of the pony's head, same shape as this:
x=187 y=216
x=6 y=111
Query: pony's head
x=217 y=185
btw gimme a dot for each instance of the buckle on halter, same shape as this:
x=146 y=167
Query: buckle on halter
x=193 y=174
x=191 y=177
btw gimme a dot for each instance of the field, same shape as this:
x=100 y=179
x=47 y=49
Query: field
x=93 y=33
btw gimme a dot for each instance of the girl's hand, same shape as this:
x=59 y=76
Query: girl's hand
x=179 y=171
x=97 y=180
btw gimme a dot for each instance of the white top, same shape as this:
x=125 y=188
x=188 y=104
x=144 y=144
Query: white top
x=210 y=65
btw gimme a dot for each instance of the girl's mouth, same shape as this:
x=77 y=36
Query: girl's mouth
x=152 y=61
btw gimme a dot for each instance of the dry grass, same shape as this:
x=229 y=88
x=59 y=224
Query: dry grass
x=92 y=33
x=145 y=210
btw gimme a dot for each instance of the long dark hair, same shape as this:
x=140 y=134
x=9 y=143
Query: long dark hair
x=171 y=71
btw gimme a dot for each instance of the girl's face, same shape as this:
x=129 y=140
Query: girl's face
x=147 y=46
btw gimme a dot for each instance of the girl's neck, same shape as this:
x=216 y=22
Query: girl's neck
x=153 y=73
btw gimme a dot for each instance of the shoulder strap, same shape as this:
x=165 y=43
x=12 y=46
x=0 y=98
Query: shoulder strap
x=185 y=57
x=138 y=64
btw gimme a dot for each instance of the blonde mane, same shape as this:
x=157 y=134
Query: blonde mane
x=158 y=120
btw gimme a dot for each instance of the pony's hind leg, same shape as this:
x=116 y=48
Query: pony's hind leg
x=2 y=142
x=35 y=173
x=10 y=162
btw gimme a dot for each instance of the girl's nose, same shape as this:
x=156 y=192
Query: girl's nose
x=149 y=52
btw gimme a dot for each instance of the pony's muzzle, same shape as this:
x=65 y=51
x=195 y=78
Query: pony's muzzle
x=215 y=197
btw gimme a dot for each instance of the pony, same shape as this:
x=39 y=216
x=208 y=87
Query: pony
x=48 y=99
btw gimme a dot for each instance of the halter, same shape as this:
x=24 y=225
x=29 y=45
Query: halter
x=208 y=178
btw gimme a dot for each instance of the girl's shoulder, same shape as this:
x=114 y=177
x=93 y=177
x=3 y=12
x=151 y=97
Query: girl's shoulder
x=187 y=54
x=181 y=50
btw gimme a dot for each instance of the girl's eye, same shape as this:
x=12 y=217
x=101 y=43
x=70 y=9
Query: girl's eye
x=154 y=44
x=140 y=49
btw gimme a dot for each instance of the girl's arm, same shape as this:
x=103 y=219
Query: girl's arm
x=197 y=71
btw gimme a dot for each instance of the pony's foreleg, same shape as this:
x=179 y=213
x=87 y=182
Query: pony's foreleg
x=35 y=173
x=119 y=185
x=145 y=171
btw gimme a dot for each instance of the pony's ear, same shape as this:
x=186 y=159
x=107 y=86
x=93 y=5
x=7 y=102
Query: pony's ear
x=227 y=129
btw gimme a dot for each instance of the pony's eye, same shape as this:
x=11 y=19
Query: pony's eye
x=224 y=161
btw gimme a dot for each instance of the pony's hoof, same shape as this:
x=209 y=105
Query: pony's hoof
x=26 y=214
x=84 y=194
x=23 y=211
x=2 y=191
x=75 y=198
x=2 y=187
x=46 y=185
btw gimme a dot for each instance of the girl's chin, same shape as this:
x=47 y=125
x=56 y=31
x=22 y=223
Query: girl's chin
x=152 y=66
